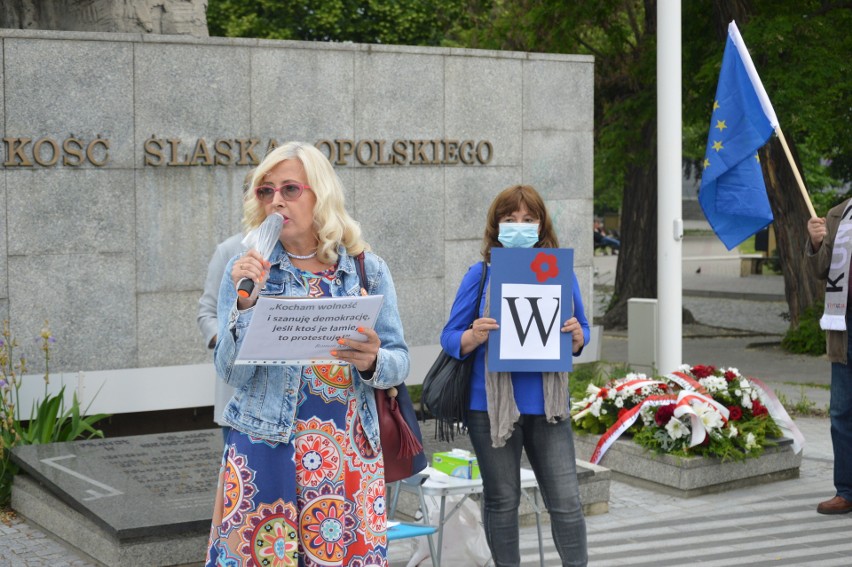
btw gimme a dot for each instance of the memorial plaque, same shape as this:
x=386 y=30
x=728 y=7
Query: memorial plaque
x=145 y=485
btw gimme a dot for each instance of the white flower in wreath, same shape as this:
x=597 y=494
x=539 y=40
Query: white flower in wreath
x=595 y=410
x=676 y=429
x=647 y=414
x=746 y=401
x=708 y=415
x=714 y=384
x=751 y=442
x=732 y=430
x=619 y=402
x=684 y=368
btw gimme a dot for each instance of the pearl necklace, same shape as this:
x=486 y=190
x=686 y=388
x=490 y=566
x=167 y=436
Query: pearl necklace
x=305 y=257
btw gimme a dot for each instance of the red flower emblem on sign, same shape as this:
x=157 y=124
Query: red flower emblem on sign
x=545 y=267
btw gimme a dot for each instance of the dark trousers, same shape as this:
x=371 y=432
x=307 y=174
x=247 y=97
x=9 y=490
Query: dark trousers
x=550 y=450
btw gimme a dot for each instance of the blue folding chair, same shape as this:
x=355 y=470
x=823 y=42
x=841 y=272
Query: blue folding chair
x=407 y=529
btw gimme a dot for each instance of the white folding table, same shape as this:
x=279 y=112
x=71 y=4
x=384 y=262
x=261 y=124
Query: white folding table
x=440 y=485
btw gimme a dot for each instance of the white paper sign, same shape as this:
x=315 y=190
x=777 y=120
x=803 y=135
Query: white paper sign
x=300 y=331
x=531 y=322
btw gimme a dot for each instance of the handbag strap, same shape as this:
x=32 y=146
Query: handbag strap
x=362 y=272
x=479 y=295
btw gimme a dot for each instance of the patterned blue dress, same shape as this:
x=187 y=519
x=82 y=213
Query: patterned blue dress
x=317 y=501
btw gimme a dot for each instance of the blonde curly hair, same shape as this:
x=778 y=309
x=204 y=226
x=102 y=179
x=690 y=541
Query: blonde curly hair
x=332 y=223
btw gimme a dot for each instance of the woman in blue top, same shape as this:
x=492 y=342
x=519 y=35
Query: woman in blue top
x=519 y=410
x=302 y=479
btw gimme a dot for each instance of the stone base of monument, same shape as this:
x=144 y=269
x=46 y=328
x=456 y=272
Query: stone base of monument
x=691 y=476
x=141 y=500
x=38 y=505
x=594 y=494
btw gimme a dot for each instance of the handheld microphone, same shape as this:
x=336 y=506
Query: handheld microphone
x=262 y=239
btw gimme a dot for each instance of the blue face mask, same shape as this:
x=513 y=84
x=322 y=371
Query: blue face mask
x=518 y=234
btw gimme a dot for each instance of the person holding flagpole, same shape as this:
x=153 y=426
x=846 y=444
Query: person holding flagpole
x=829 y=252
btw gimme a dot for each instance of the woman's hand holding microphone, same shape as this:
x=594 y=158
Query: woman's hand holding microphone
x=250 y=266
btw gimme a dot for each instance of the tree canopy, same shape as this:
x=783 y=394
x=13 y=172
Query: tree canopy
x=800 y=49
x=408 y=22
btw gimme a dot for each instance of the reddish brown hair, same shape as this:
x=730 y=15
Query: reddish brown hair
x=507 y=202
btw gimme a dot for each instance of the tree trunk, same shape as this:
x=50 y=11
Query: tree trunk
x=801 y=286
x=636 y=271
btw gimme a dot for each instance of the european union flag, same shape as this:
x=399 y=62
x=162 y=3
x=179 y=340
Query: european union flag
x=733 y=193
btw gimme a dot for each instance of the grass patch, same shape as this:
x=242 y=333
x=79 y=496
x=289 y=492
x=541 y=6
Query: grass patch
x=809 y=385
x=803 y=406
x=747 y=246
x=415 y=391
x=598 y=373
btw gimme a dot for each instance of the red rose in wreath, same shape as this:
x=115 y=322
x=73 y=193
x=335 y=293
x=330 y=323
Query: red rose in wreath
x=545 y=267
x=735 y=413
x=701 y=371
x=758 y=409
x=664 y=415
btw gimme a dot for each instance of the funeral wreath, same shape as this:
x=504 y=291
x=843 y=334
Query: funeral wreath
x=694 y=411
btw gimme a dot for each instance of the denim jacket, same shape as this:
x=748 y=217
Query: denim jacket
x=264 y=404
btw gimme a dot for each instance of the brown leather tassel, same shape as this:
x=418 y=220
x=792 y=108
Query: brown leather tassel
x=409 y=445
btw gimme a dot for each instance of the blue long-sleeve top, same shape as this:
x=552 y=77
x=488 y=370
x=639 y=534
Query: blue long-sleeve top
x=529 y=392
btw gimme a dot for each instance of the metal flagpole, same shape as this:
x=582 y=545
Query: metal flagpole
x=669 y=187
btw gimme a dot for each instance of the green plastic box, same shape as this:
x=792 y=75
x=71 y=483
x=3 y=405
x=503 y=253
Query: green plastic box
x=460 y=465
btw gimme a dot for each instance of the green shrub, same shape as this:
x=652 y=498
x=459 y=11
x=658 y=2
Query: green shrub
x=808 y=337
x=50 y=421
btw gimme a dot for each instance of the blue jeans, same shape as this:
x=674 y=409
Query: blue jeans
x=840 y=412
x=550 y=450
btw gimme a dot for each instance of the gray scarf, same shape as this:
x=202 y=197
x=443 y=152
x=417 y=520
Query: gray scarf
x=503 y=411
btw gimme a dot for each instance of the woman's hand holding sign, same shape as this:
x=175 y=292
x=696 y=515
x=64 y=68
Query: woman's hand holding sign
x=360 y=354
x=573 y=326
x=478 y=333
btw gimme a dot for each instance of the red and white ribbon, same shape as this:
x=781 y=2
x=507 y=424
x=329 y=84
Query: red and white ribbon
x=630 y=386
x=637 y=384
x=780 y=415
x=624 y=422
x=684 y=406
x=686 y=382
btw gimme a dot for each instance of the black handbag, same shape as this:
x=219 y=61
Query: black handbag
x=401 y=439
x=446 y=387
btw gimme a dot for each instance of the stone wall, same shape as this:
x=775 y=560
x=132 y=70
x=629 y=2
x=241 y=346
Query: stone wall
x=123 y=156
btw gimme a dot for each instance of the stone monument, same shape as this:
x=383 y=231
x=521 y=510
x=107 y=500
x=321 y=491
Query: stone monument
x=141 y=500
x=177 y=17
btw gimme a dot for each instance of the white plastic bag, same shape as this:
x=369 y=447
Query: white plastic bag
x=464 y=542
